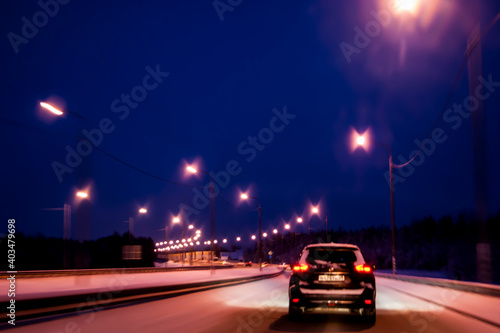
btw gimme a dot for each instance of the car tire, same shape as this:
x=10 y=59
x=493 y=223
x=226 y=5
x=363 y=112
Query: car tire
x=369 y=316
x=294 y=314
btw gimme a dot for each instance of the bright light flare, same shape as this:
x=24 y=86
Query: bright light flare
x=51 y=108
x=176 y=220
x=253 y=237
x=238 y=239
x=191 y=226
x=82 y=194
x=360 y=140
x=191 y=169
x=244 y=196
x=143 y=210
x=224 y=241
x=287 y=226
x=275 y=231
x=264 y=234
x=315 y=210
x=299 y=220
x=409 y=6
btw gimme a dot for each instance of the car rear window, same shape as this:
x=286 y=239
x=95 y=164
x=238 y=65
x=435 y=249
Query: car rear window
x=332 y=255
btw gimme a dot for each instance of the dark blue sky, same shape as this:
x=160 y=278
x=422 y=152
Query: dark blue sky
x=225 y=78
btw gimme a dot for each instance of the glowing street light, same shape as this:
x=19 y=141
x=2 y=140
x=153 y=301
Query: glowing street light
x=299 y=220
x=238 y=239
x=191 y=226
x=244 y=196
x=287 y=226
x=275 y=231
x=253 y=237
x=191 y=169
x=176 y=220
x=315 y=210
x=143 y=210
x=224 y=241
x=51 y=108
x=264 y=235
x=82 y=194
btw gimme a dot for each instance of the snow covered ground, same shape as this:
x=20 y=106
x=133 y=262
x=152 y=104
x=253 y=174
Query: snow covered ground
x=30 y=288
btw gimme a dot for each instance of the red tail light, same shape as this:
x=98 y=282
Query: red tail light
x=364 y=268
x=368 y=301
x=295 y=300
x=301 y=268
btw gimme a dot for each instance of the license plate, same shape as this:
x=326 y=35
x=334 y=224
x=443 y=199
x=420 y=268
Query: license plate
x=331 y=278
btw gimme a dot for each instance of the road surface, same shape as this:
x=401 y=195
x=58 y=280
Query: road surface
x=260 y=307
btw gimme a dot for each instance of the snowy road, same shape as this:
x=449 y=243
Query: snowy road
x=262 y=307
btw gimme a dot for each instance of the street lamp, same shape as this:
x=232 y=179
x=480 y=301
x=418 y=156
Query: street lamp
x=193 y=170
x=299 y=220
x=67 y=226
x=392 y=166
x=131 y=224
x=245 y=196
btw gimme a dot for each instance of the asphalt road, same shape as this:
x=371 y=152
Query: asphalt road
x=258 y=307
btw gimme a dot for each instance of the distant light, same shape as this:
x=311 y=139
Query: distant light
x=315 y=210
x=299 y=220
x=143 y=210
x=253 y=237
x=51 y=108
x=244 y=196
x=155 y=250
x=157 y=244
x=287 y=226
x=275 y=231
x=171 y=242
x=177 y=241
x=208 y=242
x=176 y=220
x=197 y=243
x=224 y=241
x=81 y=194
x=238 y=239
x=191 y=244
x=264 y=234
x=198 y=231
x=189 y=239
x=215 y=241
x=184 y=241
x=161 y=243
x=191 y=169
x=191 y=226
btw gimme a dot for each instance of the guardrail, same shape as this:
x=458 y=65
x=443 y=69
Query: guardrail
x=67 y=272
x=473 y=287
x=41 y=307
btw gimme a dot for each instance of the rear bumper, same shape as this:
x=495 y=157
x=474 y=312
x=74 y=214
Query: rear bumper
x=332 y=301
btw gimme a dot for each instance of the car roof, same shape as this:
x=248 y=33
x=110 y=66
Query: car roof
x=336 y=245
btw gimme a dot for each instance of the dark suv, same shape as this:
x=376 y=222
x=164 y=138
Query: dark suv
x=332 y=277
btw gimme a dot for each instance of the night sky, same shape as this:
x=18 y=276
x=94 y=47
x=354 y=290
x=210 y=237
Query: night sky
x=208 y=81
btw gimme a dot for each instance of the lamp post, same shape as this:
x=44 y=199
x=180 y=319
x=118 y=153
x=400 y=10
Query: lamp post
x=131 y=224
x=67 y=226
x=245 y=196
x=194 y=170
x=362 y=140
